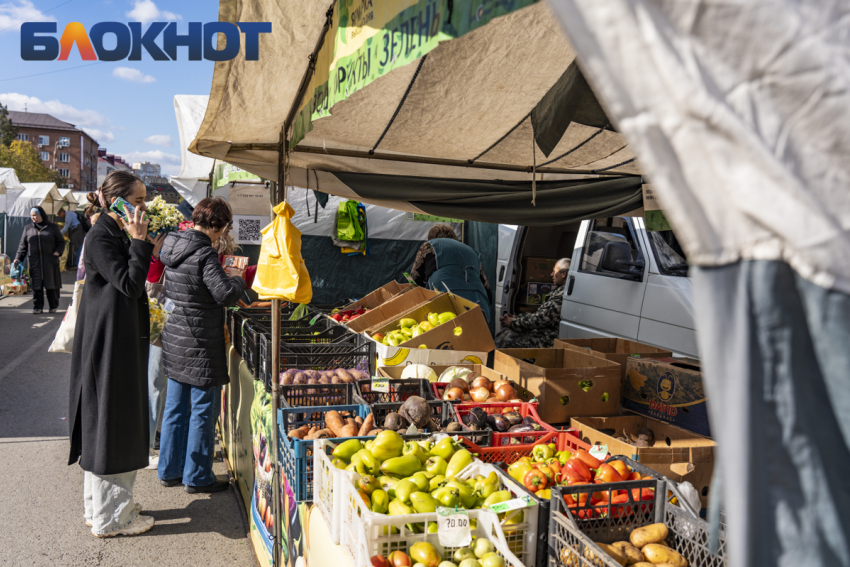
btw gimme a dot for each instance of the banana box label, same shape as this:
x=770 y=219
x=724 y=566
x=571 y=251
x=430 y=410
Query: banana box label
x=666 y=389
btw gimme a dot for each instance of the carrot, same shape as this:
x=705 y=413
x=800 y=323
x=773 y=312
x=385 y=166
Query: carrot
x=299 y=433
x=257 y=304
x=348 y=431
x=334 y=422
x=367 y=425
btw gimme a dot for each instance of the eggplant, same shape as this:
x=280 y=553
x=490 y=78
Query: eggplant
x=476 y=419
x=521 y=428
x=513 y=417
x=498 y=423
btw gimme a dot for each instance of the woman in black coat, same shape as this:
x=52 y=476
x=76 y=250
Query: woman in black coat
x=193 y=348
x=43 y=243
x=109 y=365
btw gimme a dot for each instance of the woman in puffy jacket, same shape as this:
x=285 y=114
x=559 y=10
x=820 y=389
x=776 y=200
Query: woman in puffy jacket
x=193 y=348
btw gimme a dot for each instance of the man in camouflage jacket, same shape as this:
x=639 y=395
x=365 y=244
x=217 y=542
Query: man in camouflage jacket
x=538 y=329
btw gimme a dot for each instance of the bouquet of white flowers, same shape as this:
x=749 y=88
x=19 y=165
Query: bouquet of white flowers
x=163 y=217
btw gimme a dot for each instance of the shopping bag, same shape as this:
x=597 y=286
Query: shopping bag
x=64 y=340
x=281 y=272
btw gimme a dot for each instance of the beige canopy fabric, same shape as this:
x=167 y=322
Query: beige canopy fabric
x=471 y=100
x=70 y=199
x=45 y=195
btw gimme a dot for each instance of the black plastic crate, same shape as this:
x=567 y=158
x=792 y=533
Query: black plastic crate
x=399 y=391
x=441 y=415
x=302 y=395
x=353 y=352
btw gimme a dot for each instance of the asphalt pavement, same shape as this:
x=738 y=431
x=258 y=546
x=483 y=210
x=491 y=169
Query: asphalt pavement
x=41 y=497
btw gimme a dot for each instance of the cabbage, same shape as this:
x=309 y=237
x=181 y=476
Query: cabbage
x=420 y=371
x=450 y=374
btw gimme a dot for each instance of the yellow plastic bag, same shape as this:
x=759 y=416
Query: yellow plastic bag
x=281 y=273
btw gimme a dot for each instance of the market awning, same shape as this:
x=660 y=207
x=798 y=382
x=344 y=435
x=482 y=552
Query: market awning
x=45 y=195
x=191 y=182
x=392 y=96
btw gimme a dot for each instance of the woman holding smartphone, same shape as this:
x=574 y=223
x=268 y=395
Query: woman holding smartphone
x=108 y=397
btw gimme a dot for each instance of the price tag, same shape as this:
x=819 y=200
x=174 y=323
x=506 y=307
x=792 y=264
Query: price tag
x=453 y=527
x=599 y=451
x=380 y=384
x=509 y=505
x=314 y=319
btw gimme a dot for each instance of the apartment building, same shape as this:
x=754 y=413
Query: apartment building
x=61 y=146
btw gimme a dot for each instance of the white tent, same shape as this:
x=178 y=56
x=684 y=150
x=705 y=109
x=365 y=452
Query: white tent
x=11 y=187
x=70 y=199
x=45 y=195
x=191 y=182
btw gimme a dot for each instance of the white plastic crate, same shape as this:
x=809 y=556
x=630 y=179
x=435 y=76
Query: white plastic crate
x=327 y=485
x=371 y=534
x=364 y=533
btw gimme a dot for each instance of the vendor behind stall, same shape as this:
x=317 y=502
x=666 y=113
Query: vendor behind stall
x=443 y=263
x=538 y=329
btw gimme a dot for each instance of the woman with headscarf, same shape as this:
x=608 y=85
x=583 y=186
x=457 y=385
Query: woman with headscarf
x=43 y=244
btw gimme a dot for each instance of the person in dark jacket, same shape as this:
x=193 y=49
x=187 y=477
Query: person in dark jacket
x=43 y=244
x=108 y=419
x=444 y=263
x=193 y=348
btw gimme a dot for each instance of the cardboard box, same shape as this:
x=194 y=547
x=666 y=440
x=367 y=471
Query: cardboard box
x=379 y=296
x=615 y=350
x=567 y=383
x=536 y=293
x=16 y=288
x=676 y=453
x=391 y=309
x=537 y=269
x=445 y=347
x=667 y=389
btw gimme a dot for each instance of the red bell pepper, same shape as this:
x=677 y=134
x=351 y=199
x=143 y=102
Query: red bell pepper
x=580 y=467
x=535 y=480
x=591 y=461
x=634 y=476
x=607 y=473
x=570 y=477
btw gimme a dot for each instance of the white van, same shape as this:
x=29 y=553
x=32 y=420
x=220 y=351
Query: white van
x=623 y=281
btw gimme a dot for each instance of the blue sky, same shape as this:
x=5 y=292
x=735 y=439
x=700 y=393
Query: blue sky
x=126 y=106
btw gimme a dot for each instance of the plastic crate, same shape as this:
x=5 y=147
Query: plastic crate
x=509 y=454
x=296 y=455
x=440 y=414
x=301 y=395
x=327 y=479
x=364 y=533
x=573 y=531
x=356 y=352
x=399 y=391
x=525 y=409
x=251 y=346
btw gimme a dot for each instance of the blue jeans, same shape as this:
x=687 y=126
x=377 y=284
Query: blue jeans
x=76 y=255
x=187 y=438
x=156 y=385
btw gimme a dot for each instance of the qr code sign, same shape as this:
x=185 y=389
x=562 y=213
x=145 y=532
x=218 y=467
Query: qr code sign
x=248 y=230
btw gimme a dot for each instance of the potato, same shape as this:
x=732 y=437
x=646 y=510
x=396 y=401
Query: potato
x=643 y=564
x=615 y=553
x=632 y=553
x=648 y=534
x=658 y=554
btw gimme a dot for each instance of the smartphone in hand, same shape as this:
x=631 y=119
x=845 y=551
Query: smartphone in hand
x=123 y=209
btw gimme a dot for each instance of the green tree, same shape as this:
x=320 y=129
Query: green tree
x=22 y=157
x=57 y=178
x=8 y=131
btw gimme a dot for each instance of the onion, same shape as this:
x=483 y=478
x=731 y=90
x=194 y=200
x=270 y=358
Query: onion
x=482 y=382
x=505 y=392
x=479 y=394
x=498 y=383
x=453 y=394
x=467 y=398
x=460 y=383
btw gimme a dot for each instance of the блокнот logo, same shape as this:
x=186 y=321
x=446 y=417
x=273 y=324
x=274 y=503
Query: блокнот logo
x=36 y=46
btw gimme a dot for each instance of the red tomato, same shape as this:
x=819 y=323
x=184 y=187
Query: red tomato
x=588 y=459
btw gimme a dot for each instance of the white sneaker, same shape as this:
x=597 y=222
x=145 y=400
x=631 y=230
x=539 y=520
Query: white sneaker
x=138 y=511
x=153 y=460
x=139 y=526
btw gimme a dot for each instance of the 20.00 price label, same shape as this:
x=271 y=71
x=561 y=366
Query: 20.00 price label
x=453 y=527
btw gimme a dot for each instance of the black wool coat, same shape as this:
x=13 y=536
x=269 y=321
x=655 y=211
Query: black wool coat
x=39 y=245
x=108 y=413
x=193 y=350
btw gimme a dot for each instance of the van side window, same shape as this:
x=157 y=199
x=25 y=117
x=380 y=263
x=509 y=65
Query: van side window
x=608 y=240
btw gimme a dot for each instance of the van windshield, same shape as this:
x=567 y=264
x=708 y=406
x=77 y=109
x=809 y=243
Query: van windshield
x=671 y=258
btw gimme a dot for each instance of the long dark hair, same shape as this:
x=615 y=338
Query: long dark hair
x=117 y=184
